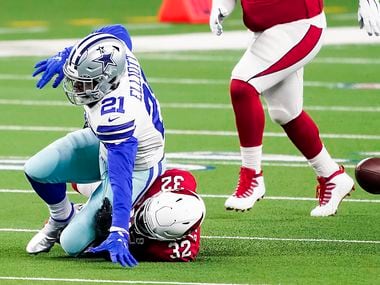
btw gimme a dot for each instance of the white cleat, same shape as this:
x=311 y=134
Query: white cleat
x=331 y=191
x=250 y=188
x=45 y=239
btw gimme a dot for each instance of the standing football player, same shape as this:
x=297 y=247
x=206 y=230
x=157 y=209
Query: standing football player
x=123 y=146
x=287 y=35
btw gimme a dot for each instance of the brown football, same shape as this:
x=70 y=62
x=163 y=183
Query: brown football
x=367 y=174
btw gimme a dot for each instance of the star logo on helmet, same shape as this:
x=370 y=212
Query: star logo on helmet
x=105 y=59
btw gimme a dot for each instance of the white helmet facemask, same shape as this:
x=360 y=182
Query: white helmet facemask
x=94 y=66
x=169 y=215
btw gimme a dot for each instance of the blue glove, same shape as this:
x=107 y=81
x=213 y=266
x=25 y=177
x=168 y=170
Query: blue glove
x=118 y=31
x=117 y=245
x=51 y=67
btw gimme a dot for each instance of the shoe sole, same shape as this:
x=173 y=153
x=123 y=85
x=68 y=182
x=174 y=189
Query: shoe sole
x=38 y=252
x=245 y=209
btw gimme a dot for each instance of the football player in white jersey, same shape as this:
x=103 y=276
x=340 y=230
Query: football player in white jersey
x=123 y=146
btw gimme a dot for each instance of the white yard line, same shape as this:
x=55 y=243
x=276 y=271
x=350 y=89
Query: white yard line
x=192 y=81
x=226 y=58
x=185 y=132
x=198 y=160
x=48 y=103
x=344 y=16
x=23 y=30
x=312 y=240
x=267 y=134
x=230 y=40
x=346 y=60
x=101 y=281
x=213 y=196
x=294 y=239
x=278 y=198
x=57 y=103
x=37 y=128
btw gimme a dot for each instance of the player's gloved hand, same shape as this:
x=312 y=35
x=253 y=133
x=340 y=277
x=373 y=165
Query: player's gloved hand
x=219 y=11
x=216 y=19
x=50 y=67
x=117 y=245
x=369 y=16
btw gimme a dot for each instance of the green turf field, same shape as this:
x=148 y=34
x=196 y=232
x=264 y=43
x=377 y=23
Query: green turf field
x=277 y=242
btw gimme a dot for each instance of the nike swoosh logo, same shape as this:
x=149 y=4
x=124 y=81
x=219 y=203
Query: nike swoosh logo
x=112 y=119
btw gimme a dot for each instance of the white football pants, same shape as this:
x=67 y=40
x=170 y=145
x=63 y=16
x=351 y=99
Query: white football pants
x=76 y=158
x=273 y=64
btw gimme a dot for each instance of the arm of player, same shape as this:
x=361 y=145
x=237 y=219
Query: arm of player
x=118 y=31
x=369 y=16
x=121 y=159
x=219 y=11
x=53 y=66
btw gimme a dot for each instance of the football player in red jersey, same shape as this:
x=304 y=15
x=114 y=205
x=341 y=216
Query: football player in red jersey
x=287 y=35
x=151 y=241
x=158 y=249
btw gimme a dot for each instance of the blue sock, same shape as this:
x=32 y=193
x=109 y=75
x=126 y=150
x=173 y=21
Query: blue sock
x=51 y=193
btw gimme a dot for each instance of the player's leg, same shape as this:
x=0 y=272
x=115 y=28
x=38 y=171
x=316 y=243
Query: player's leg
x=274 y=54
x=285 y=103
x=64 y=160
x=249 y=119
x=86 y=189
x=81 y=233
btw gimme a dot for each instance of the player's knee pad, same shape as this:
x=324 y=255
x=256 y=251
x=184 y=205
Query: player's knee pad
x=60 y=159
x=282 y=116
x=77 y=236
x=81 y=231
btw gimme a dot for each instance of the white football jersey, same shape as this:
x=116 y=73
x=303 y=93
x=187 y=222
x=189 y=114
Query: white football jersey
x=130 y=111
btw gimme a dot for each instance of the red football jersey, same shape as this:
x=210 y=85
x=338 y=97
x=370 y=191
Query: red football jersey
x=185 y=249
x=259 y=15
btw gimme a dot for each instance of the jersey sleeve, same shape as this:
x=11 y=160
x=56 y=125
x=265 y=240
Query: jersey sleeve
x=121 y=158
x=118 y=31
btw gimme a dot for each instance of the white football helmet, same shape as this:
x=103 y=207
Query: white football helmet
x=170 y=215
x=94 y=68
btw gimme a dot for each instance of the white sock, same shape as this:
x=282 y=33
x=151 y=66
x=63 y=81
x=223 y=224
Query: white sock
x=251 y=157
x=323 y=164
x=61 y=211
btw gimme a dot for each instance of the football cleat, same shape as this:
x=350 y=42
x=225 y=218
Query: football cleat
x=249 y=189
x=45 y=239
x=331 y=191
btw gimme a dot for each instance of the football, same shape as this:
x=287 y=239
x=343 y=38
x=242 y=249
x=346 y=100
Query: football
x=367 y=174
